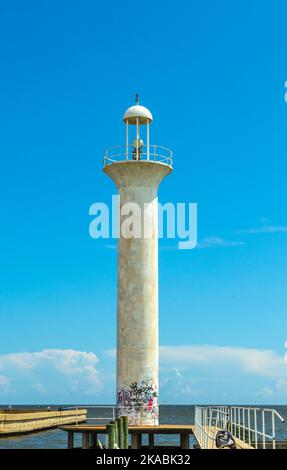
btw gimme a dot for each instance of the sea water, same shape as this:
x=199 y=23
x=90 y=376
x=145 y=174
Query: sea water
x=169 y=414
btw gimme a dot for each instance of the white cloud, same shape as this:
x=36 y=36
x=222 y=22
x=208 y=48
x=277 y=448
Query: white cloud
x=188 y=390
x=262 y=362
x=163 y=247
x=39 y=388
x=177 y=373
x=110 y=353
x=233 y=371
x=198 y=373
x=111 y=246
x=211 y=241
x=265 y=229
x=265 y=392
x=52 y=372
x=264 y=220
x=207 y=242
x=4 y=385
x=281 y=386
x=211 y=373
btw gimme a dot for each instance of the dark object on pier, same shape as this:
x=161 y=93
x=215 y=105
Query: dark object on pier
x=224 y=439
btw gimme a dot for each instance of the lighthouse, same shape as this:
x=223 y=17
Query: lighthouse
x=137 y=169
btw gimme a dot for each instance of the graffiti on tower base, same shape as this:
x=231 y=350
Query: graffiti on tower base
x=138 y=399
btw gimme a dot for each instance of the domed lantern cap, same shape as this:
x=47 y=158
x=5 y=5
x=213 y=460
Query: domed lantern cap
x=137 y=112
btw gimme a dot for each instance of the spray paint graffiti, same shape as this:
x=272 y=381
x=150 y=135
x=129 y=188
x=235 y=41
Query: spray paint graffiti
x=138 y=400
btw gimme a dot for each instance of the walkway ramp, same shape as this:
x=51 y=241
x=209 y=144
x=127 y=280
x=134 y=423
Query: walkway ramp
x=209 y=443
x=252 y=428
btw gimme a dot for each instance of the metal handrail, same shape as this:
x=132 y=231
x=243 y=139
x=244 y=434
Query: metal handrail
x=262 y=409
x=242 y=426
x=151 y=152
x=203 y=423
x=94 y=406
x=135 y=415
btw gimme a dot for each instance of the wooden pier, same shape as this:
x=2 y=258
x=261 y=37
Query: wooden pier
x=18 y=422
x=90 y=435
x=250 y=427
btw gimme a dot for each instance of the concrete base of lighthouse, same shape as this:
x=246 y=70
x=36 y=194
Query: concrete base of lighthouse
x=137 y=304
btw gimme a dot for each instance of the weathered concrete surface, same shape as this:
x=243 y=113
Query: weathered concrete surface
x=137 y=304
x=21 y=422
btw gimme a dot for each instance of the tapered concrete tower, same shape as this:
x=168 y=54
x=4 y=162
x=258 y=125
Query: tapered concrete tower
x=137 y=170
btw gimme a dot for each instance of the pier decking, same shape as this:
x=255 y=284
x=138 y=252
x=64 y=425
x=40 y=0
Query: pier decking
x=90 y=435
x=251 y=428
x=17 y=422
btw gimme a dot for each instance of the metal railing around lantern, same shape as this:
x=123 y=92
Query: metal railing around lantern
x=154 y=153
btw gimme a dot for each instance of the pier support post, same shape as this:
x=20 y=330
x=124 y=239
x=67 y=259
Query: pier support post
x=184 y=441
x=136 y=440
x=85 y=440
x=117 y=443
x=94 y=440
x=126 y=432
x=70 y=440
x=110 y=430
x=121 y=432
x=151 y=441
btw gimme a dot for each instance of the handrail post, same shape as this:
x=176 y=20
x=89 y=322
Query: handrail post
x=127 y=139
x=263 y=429
x=215 y=428
x=239 y=420
x=273 y=431
x=249 y=430
x=138 y=137
x=147 y=138
x=255 y=428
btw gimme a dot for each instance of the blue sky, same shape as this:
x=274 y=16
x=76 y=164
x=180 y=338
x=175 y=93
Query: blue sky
x=213 y=75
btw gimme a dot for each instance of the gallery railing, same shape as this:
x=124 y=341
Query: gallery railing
x=155 y=153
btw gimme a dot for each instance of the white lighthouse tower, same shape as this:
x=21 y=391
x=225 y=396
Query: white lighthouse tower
x=137 y=169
